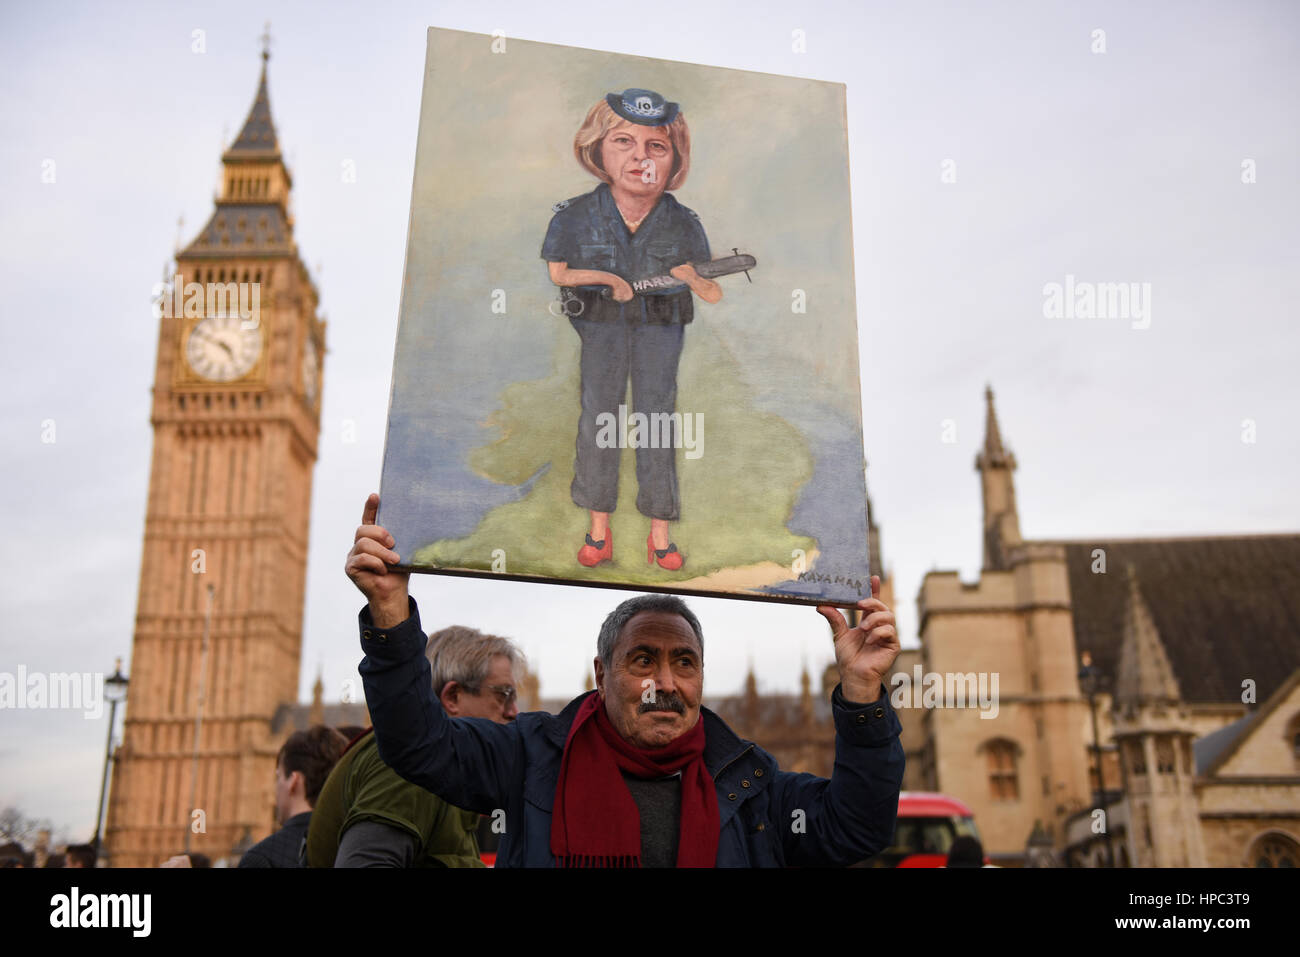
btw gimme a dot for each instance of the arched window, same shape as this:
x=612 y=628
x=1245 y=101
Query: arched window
x=1137 y=757
x=1004 y=782
x=1274 y=850
x=1165 y=755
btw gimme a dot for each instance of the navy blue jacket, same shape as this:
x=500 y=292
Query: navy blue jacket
x=769 y=817
x=284 y=848
x=588 y=232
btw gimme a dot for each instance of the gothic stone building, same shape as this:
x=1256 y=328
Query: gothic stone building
x=1195 y=648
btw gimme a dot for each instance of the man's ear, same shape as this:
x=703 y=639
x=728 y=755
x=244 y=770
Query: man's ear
x=600 y=676
x=298 y=783
x=450 y=698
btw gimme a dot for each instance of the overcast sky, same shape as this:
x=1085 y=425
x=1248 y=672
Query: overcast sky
x=1122 y=166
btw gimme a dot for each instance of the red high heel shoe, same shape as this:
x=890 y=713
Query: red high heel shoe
x=669 y=558
x=593 y=553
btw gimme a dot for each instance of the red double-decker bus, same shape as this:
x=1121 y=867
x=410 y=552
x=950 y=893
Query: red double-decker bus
x=927 y=825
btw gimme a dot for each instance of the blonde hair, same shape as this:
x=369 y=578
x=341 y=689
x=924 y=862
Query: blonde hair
x=602 y=120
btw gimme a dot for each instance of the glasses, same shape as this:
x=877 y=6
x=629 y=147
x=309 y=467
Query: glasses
x=506 y=693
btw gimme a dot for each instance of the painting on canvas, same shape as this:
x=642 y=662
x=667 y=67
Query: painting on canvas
x=627 y=349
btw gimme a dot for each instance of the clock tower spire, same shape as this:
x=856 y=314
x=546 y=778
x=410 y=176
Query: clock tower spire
x=236 y=418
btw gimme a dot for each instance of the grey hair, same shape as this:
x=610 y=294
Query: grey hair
x=620 y=616
x=464 y=655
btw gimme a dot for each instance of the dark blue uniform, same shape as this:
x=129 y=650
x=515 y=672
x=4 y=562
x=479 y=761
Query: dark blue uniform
x=640 y=340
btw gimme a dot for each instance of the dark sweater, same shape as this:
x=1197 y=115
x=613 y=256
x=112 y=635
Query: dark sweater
x=659 y=802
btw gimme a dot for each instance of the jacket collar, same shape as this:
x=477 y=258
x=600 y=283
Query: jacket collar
x=721 y=745
x=614 y=219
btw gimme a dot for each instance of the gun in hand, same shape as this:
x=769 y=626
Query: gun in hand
x=726 y=266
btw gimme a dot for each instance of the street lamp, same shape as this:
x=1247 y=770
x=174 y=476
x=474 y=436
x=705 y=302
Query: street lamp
x=115 y=691
x=1090 y=678
x=1038 y=849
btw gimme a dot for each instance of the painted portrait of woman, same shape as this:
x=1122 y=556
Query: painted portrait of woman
x=624 y=257
x=547 y=419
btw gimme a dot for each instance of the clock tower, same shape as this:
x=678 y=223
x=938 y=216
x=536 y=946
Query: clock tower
x=218 y=628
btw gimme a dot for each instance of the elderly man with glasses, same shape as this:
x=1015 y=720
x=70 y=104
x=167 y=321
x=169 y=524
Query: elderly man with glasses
x=369 y=816
x=637 y=772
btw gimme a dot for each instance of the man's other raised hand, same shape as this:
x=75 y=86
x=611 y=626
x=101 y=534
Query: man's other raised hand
x=367 y=565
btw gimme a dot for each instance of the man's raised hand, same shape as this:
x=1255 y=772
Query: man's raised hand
x=367 y=565
x=864 y=654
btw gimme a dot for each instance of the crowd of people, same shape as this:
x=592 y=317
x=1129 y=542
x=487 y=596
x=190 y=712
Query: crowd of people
x=634 y=773
x=14 y=855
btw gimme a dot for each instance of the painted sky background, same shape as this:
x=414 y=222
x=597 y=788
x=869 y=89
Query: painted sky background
x=1115 y=167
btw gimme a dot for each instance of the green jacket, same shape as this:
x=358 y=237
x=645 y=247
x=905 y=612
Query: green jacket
x=361 y=787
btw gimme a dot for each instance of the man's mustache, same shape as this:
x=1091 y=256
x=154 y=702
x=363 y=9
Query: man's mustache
x=664 y=701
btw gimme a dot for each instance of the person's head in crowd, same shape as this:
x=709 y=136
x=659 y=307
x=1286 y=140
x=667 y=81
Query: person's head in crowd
x=351 y=732
x=56 y=860
x=13 y=854
x=475 y=675
x=966 y=852
x=301 y=767
x=79 y=855
x=651 y=641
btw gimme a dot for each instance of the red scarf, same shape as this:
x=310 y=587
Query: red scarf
x=595 y=821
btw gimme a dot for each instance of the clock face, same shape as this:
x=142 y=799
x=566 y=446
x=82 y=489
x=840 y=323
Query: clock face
x=310 y=371
x=220 y=349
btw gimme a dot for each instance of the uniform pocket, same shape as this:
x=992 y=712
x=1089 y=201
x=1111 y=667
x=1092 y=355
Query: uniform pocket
x=665 y=255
